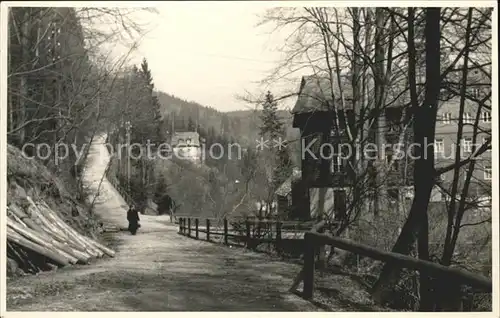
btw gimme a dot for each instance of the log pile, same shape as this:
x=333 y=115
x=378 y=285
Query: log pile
x=38 y=239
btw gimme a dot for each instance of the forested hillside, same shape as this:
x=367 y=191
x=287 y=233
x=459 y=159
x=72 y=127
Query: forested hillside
x=63 y=89
x=241 y=125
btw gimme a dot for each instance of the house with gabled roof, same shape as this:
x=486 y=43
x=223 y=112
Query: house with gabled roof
x=187 y=146
x=284 y=195
x=324 y=116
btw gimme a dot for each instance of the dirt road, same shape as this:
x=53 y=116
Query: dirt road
x=157 y=270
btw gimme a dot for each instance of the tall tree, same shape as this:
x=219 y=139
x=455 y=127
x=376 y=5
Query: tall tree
x=277 y=164
x=272 y=126
x=151 y=101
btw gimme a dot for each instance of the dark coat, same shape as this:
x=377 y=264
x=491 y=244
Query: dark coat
x=133 y=216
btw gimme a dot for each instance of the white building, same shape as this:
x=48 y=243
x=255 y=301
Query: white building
x=187 y=146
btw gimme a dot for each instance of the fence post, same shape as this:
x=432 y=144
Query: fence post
x=278 y=237
x=180 y=226
x=451 y=299
x=308 y=271
x=196 y=227
x=259 y=225
x=189 y=227
x=225 y=231
x=247 y=224
x=208 y=230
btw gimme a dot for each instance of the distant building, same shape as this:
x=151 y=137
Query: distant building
x=326 y=181
x=187 y=146
x=445 y=142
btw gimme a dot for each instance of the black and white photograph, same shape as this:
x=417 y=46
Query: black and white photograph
x=249 y=156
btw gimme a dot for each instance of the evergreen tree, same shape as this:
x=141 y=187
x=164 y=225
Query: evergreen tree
x=272 y=127
x=152 y=100
x=224 y=124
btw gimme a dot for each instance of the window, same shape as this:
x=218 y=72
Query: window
x=467 y=118
x=446 y=118
x=475 y=92
x=392 y=127
x=395 y=165
x=485 y=140
x=487 y=173
x=486 y=117
x=337 y=163
x=439 y=146
x=393 y=116
x=467 y=144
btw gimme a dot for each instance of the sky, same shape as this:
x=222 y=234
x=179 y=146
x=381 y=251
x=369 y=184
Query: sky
x=208 y=53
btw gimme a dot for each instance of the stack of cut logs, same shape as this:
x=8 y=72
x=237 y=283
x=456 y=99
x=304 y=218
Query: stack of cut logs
x=37 y=239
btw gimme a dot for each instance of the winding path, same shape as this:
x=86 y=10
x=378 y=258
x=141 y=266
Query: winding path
x=157 y=270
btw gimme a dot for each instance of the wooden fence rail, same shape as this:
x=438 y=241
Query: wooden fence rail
x=248 y=231
x=128 y=199
x=454 y=278
x=313 y=241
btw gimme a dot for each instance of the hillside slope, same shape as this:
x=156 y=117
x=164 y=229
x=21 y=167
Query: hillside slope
x=47 y=226
x=242 y=125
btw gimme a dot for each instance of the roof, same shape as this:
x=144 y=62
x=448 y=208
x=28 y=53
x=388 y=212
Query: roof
x=315 y=94
x=186 y=138
x=286 y=187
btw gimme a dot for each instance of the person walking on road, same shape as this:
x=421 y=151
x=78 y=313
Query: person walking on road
x=133 y=219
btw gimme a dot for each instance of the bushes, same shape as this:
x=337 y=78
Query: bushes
x=473 y=252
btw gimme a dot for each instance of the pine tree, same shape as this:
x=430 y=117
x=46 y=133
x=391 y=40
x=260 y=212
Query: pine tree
x=272 y=129
x=152 y=100
x=272 y=126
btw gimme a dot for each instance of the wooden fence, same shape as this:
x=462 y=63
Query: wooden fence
x=309 y=241
x=116 y=184
x=128 y=199
x=452 y=278
x=247 y=232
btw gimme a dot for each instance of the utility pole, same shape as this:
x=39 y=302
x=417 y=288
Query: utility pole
x=56 y=56
x=128 y=126
x=125 y=123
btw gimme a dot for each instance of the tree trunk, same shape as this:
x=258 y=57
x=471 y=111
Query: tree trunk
x=366 y=106
x=425 y=287
x=448 y=246
x=358 y=103
x=380 y=184
x=424 y=130
x=53 y=256
x=454 y=218
x=23 y=80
